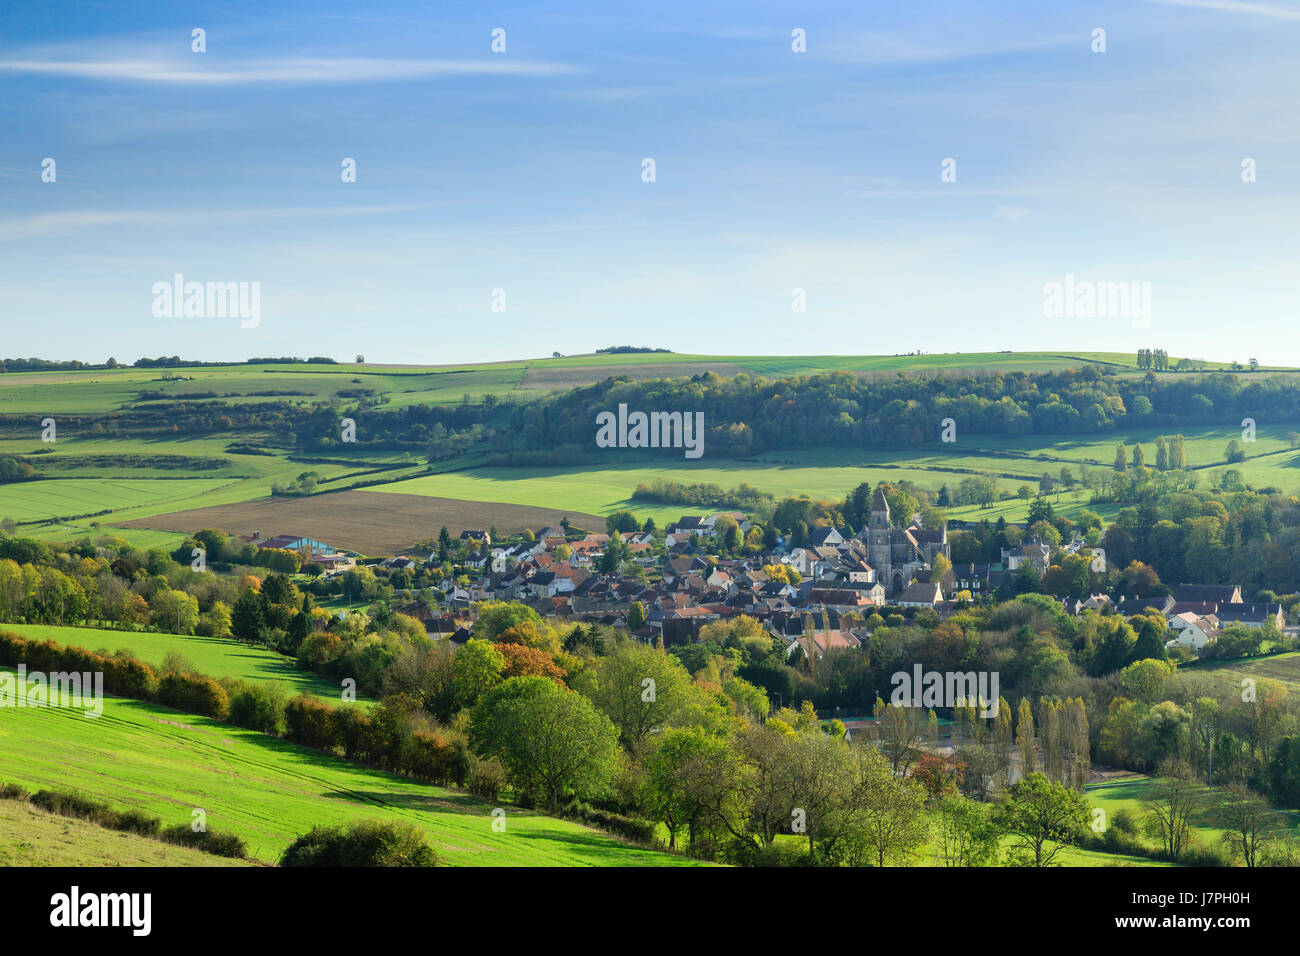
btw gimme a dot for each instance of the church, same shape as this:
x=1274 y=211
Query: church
x=897 y=554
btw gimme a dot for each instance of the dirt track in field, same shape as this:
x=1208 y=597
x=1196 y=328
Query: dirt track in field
x=371 y=522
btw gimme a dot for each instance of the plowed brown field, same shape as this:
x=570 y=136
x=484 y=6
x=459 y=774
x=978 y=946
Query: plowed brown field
x=365 y=521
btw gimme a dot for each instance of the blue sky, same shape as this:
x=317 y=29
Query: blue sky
x=521 y=171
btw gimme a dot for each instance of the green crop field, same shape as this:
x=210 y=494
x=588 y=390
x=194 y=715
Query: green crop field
x=210 y=656
x=269 y=791
x=32 y=837
x=35 y=500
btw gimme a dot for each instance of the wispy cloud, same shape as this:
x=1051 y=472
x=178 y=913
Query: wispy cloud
x=1235 y=6
x=76 y=220
x=299 y=70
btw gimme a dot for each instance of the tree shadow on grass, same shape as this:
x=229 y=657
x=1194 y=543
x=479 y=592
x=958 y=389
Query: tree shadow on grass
x=435 y=798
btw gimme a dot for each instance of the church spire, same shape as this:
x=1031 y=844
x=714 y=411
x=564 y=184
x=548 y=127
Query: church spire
x=879 y=509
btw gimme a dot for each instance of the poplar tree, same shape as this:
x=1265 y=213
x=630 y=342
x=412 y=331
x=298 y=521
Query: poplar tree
x=1049 y=731
x=1025 y=738
x=1081 y=743
x=1005 y=737
x=1178 y=452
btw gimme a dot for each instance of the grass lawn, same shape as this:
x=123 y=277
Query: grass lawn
x=211 y=656
x=269 y=791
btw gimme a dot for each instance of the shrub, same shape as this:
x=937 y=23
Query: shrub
x=123 y=674
x=1206 y=855
x=634 y=828
x=310 y=723
x=224 y=844
x=1124 y=821
x=259 y=707
x=128 y=677
x=355 y=733
x=194 y=694
x=209 y=841
x=363 y=843
x=485 y=777
x=134 y=821
x=12 y=648
x=12 y=791
x=437 y=755
x=69 y=804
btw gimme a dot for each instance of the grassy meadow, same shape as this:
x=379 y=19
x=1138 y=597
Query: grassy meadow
x=211 y=656
x=1128 y=790
x=1283 y=668
x=268 y=791
x=32 y=837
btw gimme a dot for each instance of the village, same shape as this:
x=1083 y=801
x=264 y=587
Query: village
x=664 y=588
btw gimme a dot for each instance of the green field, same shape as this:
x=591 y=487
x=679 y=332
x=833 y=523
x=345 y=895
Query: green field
x=1128 y=790
x=930 y=853
x=831 y=473
x=1283 y=668
x=32 y=837
x=35 y=500
x=269 y=791
x=103 y=390
x=88 y=474
x=210 y=656
x=81 y=484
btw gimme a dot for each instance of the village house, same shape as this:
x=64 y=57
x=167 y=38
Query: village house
x=842 y=599
x=1194 y=630
x=1035 y=552
x=1207 y=594
x=815 y=645
x=1129 y=606
x=978 y=579
x=921 y=594
x=1250 y=615
x=709 y=524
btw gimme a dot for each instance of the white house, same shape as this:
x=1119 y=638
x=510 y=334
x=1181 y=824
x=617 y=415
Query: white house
x=1194 y=630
